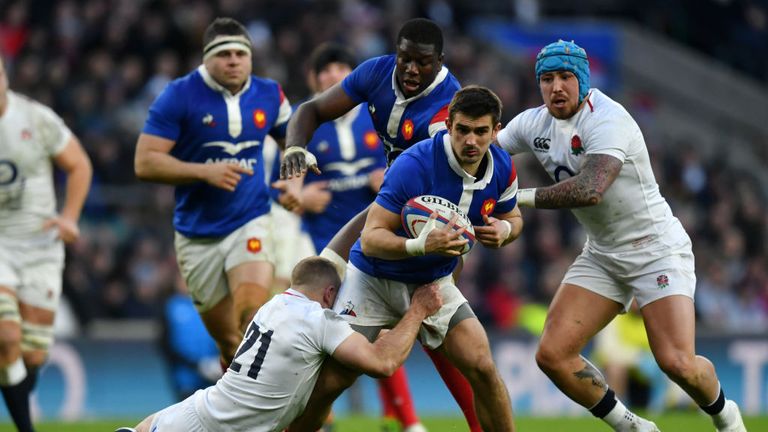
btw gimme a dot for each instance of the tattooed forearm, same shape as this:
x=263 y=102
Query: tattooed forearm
x=584 y=189
x=590 y=372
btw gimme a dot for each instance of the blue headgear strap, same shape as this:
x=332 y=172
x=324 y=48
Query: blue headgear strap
x=568 y=56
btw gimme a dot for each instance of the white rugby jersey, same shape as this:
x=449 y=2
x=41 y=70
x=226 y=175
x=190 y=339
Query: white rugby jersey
x=276 y=367
x=632 y=212
x=30 y=135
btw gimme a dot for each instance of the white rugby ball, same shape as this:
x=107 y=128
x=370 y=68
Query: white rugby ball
x=416 y=211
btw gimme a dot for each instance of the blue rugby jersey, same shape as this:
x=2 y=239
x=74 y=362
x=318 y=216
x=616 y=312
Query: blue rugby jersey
x=431 y=168
x=347 y=150
x=400 y=122
x=211 y=125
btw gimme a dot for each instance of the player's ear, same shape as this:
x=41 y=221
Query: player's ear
x=329 y=295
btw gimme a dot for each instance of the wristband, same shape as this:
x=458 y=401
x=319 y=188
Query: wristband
x=526 y=197
x=417 y=246
x=509 y=228
x=309 y=158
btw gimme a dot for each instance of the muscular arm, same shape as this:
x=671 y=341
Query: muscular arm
x=75 y=163
x=328 y=105
x=378 y=238
x=153 y=162
x=584 y=189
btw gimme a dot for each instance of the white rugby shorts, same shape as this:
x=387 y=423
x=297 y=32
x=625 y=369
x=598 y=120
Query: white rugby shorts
x=203 y=263
x=368 y=301
x=33 y=268
x=292 y=244
x=646 y=274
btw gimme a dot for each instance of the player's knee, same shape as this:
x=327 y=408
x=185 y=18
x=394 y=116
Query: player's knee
x=679 y=366
x=549 y=357
x=10 y=342
x=35 y=359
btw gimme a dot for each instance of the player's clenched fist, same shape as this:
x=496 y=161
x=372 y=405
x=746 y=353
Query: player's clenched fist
x=428 y=298
x=224 y=175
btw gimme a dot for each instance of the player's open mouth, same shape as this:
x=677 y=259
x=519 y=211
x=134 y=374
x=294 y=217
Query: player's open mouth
x=559 y=103
x=410 y=85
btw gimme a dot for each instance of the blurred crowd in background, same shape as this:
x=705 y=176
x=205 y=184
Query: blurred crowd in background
x=100 y=63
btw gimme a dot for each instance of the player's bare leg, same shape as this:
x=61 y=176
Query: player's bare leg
x=334 y=378
x=223 y=328
x=670 y=324
x=249 y=284
x=23 y=349
x=574 y=317
x=467 y=346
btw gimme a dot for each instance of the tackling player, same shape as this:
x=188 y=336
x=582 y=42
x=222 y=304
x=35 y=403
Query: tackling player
x=270 y=380
x=32 y=237
x=462 y=166
x=407 y=95
x=596 y=153
x=204 y=134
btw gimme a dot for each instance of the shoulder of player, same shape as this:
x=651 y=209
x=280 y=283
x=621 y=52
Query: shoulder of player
x=376 y=68
x=601 y=110
x=423 y=150
x=31 y=106
x=503 y=165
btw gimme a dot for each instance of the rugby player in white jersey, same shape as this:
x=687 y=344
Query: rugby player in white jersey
x=636 y=248
x=276 y=366
x=32 y=237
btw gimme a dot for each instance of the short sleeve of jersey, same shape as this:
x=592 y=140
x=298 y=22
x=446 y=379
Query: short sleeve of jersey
x=54 y=133
x=511 y=137
x=400 y=183
x=165 y=114
x=608 y=136
x=334 y=330
x=284 y=114
x=359 y=83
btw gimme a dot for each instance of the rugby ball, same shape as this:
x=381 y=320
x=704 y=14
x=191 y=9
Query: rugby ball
x=416 y=211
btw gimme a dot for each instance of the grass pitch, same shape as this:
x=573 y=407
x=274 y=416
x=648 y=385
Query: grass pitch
x=674 y=422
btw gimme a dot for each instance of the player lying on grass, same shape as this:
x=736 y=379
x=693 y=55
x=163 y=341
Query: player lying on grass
x=276 y=366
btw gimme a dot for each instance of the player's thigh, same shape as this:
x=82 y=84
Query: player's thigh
x=201 y=264
x=452 y=313
x=670 y=323
x=220 y=322
x=467 y=346
x=342 y=241
x=250 y=254
x=291 y=243
x=575 y=315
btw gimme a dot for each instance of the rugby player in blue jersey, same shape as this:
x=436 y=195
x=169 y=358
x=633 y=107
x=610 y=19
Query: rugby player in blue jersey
x=350 y=157
x=407 y=95
x=385 y=266
x=204 y=135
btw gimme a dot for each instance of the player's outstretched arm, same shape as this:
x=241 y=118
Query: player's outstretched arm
x=75 y=163
x=153 y=162
x=383 y=357
x=328 y=105
x=379 y=238
x=501 y=229
x=582 y=190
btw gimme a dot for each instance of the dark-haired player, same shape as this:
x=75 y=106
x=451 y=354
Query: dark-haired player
x=204 y=134
x=407 y=95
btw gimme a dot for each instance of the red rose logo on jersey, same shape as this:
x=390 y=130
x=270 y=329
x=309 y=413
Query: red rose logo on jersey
x=26 y=134
x=576 y=147
x=488 y=206
x=408 y=129
x=254 y=245
x=259 y=118
x=662 y=281
x=371 y=140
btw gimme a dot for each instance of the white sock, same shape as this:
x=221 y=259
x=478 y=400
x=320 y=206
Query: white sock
x=619 y=417
x=13 y=374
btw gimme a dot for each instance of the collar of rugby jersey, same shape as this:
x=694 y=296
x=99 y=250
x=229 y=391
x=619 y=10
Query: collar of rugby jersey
x=469 y=181
x=400 y=98
x=293 y=292
x=210 y=82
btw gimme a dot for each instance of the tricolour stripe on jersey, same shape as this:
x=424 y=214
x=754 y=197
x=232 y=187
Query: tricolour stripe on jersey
x=438 y=121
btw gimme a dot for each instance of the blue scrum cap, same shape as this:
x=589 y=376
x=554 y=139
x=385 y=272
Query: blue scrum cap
x=562 y=55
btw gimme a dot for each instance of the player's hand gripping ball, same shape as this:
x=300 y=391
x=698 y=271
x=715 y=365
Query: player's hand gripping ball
x=416 y=211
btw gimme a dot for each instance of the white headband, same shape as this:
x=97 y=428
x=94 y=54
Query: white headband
x=222 y=43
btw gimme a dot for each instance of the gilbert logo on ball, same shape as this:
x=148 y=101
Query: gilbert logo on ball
x=416 y=211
